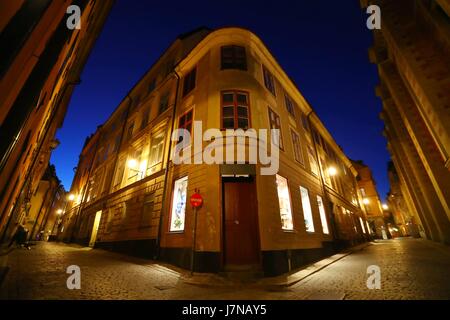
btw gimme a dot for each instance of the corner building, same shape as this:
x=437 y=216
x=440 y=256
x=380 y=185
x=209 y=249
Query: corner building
x=137 y=200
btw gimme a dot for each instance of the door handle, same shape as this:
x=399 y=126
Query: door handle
x=236 y=222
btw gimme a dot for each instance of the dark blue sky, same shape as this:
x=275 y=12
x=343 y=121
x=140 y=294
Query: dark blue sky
x=323 y=48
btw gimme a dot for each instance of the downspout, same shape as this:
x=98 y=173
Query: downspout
x=166 y=172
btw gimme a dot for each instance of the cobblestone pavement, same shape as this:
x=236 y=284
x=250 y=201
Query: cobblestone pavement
x=410 y=269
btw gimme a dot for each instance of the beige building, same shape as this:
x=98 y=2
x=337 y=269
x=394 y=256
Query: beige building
x=45 y=206
x=412 y=52
x=371 y=200
x=134 y=197
x=403 y=219
x=40 y=64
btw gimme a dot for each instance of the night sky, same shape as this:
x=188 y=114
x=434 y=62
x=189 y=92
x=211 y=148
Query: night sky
x=322 y=47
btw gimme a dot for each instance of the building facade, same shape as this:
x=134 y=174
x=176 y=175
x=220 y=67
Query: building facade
x=412 y=52
x=45 y=206
x=404 y=220
x=134 y=196
x=40 y=63
x=371 y=200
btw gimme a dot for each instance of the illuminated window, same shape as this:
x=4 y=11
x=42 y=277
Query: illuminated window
x=275 y=123
x=235 y=110
x=179 y=195
x=297 y=146
x=285 y=203
x=156 y=149
x=362 y=225
x=189 y=82
x=323 y=217
x=269 y=81
x=233 y=57
x=307 y=213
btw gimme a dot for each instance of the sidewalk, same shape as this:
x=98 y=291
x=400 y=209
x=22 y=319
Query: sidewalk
x=272 y=283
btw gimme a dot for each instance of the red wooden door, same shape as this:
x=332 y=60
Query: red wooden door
x=241 y=243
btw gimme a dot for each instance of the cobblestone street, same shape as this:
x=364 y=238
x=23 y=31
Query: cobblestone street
x=410 y=269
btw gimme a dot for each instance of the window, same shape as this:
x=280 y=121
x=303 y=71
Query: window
x=189 y=82
x=116 y=143
x=323 y=216
x=362 y=225
x=307 y=213
x=285 y=203
x=178 y=205
x=130 y=131
x=145 y=117
x=152 y=86
x=363 y=192
x=233 y=57
x=156 y=149
x=312 y=161
x=134 y=171
x=147 y=209
x=275 y=123
x=185 y=122
x=235 y=110
x=289 y=105
x=164 y=102
x=297 y=146
x=269 y=81
x=119 y=173
x=305 y=122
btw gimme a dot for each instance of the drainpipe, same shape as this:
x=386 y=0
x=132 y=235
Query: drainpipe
x=166 y=173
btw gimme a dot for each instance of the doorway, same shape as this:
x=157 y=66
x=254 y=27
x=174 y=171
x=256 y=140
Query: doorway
x=98 y=216
x=240 y=214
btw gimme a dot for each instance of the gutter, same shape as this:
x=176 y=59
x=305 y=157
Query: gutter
x=166 y=172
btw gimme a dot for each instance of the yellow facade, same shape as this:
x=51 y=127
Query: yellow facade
x=412 y=52
x=133 y=176
x=371 y=199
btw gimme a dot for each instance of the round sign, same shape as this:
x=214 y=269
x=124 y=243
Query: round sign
x=196 y=200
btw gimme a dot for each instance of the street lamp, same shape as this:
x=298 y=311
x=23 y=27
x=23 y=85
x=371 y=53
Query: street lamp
x=385 y=206
x=133 y=165
x=366 y=201
x=71 y=197
x=332 y=171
